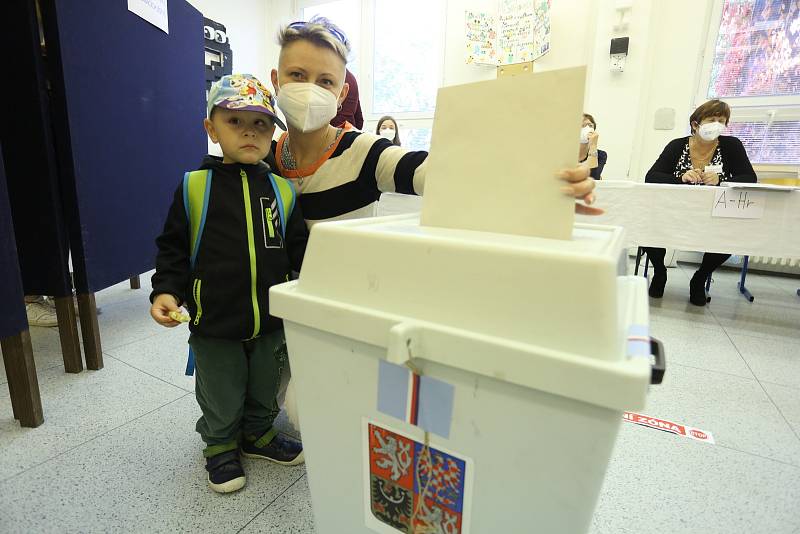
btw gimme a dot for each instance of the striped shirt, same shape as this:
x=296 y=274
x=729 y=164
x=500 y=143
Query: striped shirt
x=350 y=176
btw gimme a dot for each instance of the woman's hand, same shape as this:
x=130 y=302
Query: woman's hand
x=692 y=177
x=710 y=178
x=580 y=186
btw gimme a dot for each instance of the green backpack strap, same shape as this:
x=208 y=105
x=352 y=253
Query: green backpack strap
x=286 y=196
x=196 y=189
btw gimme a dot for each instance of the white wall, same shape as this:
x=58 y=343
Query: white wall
x=456 y=71
x=672 y=78
x=245 y=21
x=248 y=28
x=253 y=28
x=666 y=45
x=572 y=27
x=279 y=13
x=571 y=39
x=571 y=43
x=614 y=98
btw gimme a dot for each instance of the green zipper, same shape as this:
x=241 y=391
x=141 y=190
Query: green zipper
x=196 y=295
x=251 y=243
x=269 y=223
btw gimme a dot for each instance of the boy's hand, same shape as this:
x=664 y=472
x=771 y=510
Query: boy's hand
x=163 y=304
x=580 y=186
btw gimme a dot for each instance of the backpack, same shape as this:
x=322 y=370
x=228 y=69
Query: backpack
x=196 y=190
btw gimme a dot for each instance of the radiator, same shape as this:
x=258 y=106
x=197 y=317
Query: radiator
x=771 y=261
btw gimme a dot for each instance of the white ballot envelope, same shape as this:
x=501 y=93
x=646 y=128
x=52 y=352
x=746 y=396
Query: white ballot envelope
x=496 y=147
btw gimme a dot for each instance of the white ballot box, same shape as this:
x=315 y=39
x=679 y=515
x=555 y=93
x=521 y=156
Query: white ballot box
x=462 y=381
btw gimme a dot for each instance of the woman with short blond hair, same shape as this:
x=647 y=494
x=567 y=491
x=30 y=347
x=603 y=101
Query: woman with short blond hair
x=340 y=172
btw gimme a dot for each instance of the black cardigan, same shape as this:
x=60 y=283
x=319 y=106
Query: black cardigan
x=735 y=163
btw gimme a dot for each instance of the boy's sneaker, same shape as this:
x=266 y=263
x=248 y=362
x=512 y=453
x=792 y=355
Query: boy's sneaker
x=225 y=473
x=281 y=449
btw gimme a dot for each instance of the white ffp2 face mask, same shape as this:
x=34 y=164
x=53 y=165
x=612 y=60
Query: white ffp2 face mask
x=388 y=133
x=711 y=130
x=307 y=107
x=585 y=134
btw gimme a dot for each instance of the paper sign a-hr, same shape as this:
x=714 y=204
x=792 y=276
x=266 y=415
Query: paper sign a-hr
x=495 y=149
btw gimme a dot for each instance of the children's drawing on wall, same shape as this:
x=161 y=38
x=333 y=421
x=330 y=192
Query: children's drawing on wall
x=480 y=38
x=518 y=33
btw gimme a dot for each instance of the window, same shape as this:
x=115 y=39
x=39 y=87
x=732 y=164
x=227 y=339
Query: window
x=753 y=64
x=776 y=143
x=751 y=134
x=416 y=138
x=397 y=52
x=346 y=14
x=758 y=49
x=406 y=74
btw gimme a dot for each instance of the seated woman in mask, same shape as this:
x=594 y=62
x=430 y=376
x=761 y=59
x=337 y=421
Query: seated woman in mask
x=588 y=154
x=704 y=158
x=387 y=128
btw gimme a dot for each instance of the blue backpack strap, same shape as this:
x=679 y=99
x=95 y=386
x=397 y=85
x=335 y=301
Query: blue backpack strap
x=285 y=196
x=190 y=363
x=196 y=191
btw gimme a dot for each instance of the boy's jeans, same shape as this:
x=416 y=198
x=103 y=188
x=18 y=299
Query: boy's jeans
x=236 y=384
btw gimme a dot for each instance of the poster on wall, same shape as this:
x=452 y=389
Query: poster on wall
x=515 y=24
x=518 y=33
x=481 y=37
x=541 y=28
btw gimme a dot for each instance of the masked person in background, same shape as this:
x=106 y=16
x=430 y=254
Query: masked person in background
x=588 y=154
x=704 y=158
x=387 y=128
x=350 y=108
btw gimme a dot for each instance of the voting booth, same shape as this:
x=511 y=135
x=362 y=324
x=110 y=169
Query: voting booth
x=458 y=376
x=101 y=121
x=15 y=340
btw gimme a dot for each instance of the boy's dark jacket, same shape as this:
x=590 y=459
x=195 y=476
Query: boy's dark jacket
x=221 y=277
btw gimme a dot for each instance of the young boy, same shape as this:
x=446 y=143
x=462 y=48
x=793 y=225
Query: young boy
x=243 y=248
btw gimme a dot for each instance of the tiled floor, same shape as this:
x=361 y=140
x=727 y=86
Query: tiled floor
x=118 y=453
